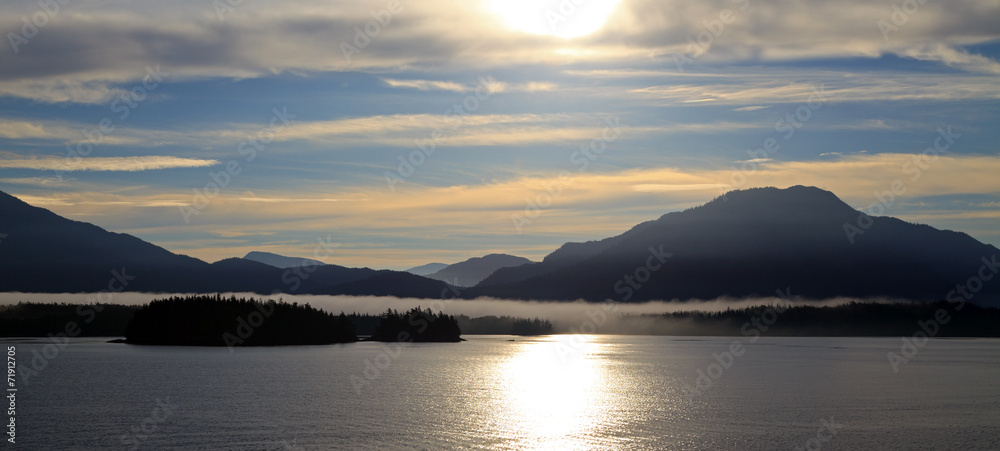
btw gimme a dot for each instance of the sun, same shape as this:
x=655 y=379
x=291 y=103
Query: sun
x=561 y=18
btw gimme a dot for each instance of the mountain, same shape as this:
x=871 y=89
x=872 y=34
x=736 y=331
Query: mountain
x=752 y=243
x=429 y=268
x=280 y=261
x=470 y=272
x=43 y=252
x=747 y=243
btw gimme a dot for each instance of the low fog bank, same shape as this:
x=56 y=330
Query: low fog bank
x=582 y=317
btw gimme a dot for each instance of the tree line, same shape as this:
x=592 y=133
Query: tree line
x=207 y=319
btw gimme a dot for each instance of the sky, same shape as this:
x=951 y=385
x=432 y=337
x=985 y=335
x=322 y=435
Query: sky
x=390 y=134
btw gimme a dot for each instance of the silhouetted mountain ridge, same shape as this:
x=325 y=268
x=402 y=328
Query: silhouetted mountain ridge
x=751 y=243
x=472 y=271
x=46 y=253
x=746 y=243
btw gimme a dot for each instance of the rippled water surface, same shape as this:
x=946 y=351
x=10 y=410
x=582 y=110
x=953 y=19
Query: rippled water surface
x=557 y=392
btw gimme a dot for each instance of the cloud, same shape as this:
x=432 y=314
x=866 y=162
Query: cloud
x=665 y=188
x=90 y=204
x=35 y=181
x=287 y=200
x=60 y=90
x=952 y=57
x=95 y=47
x=238 y=234
x=426 y=85
x=873 y=124
x=536 y=86
x=475 y=129
x=128 y=164
x=19 y=129
x=491 y=85
x=453 y=129
x=825 y=88
x=647 y=73
x=72 y=132
x=749 y=88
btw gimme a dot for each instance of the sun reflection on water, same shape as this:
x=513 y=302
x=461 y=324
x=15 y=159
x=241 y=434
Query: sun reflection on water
x=555 y=393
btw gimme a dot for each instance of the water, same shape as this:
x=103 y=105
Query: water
x=558 y=392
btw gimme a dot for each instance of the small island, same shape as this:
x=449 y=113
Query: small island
x=853 y=319
x=232 y=322
x=416 y=325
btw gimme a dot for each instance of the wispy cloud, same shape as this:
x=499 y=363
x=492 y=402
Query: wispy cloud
x=69 y=132
x=94 y=205
x=426 y=85
x=669 y=188
x=128 y=164
x=953 y=57
x=399 y=130
x=873 y=124
x=755 y=91
x=491 y=85
x=36 y=181
x=271 y=200
x=60 y=90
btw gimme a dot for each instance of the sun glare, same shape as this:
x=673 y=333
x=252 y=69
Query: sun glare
x=555 y=389
x=560 y=18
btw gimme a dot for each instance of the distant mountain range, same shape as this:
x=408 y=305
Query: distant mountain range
x=429 y=268
x=747 y=243
x=463 y=274
x=280 y=261
x=472 y=271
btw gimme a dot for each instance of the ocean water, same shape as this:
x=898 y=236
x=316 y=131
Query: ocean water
x=551 y=392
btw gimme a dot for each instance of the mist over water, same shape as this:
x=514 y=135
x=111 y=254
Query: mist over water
x=565 y=316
